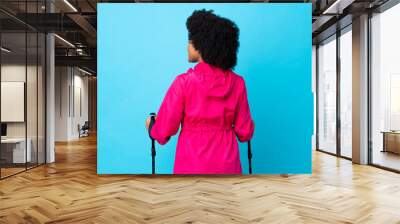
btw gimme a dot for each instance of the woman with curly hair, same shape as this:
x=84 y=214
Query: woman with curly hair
x=208 y=100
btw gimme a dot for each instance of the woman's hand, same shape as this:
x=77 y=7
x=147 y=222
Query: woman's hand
x=148 y=121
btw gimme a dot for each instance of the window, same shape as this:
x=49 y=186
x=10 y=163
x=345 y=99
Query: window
x=327 y=95
x=346 y=92
x=385 y=89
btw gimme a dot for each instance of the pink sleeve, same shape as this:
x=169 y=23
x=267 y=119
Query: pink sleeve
x=170 y=114
x=243 y=123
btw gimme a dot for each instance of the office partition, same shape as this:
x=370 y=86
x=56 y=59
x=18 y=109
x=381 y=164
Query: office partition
x=22 y=100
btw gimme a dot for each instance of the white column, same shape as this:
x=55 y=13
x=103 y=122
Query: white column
x=360 y=90
x=50 y=100
x=50 y=92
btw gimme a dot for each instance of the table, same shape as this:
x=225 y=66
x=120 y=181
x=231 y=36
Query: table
x=16 y=153
x=391 y=141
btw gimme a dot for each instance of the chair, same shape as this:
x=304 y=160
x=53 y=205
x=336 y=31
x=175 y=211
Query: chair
x=84 y=129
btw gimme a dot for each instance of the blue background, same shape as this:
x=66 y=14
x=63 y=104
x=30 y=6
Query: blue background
x=142 y=47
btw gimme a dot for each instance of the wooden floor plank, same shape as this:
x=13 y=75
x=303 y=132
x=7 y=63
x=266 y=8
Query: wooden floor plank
x=70 y=191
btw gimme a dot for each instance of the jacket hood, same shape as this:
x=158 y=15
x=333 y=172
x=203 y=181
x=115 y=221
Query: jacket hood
x=214 y=81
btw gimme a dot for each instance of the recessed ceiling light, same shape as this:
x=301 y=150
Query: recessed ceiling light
x=84 y=71
x=64 y=40
x=337 y=7
x=70 y=5
x=5 y=50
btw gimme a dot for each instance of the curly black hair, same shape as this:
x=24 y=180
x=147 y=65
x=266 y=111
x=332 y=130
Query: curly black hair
x=215 y=37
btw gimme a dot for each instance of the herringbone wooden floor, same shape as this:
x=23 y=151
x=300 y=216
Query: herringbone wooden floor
x=70 y=191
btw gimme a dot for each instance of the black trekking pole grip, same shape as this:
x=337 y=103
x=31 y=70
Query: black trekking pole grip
x=153 y=145
x=249 y=155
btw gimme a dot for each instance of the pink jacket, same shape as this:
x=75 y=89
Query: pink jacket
x=211 y=104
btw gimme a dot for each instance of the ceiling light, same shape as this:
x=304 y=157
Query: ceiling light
x=65 y=41
x=338 y=6
x=84 y=71
x=70 y=5
x=5 y=50
x=79 y=51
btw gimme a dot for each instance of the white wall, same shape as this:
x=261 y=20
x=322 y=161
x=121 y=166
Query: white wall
x=62 y=81
x=79 y=110
x=71 y=102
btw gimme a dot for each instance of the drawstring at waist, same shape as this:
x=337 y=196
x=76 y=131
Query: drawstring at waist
x=206 y=128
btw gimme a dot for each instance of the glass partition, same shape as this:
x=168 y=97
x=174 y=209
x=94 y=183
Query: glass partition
x=14 y=153
x=22 y=89
x=385 y=89
x=327 y=95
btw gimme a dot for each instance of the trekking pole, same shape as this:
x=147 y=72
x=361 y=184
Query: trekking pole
x=249 y=156
x=153 y=145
